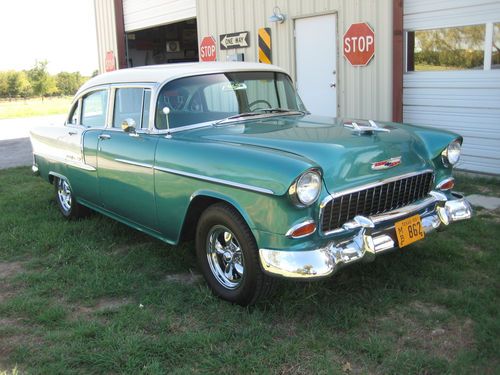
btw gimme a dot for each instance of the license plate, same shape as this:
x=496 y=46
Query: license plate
x=409 y=230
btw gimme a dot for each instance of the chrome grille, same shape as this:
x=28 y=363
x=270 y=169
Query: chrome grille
x=375 y=200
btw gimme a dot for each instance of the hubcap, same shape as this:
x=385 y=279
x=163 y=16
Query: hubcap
x=64 y=194
x=225 y=257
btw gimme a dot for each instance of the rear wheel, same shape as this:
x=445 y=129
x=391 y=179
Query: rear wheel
x=228 y=256
x=66 y=202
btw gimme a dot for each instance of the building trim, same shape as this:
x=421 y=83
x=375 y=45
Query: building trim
x=120 y=34
x=397 y=61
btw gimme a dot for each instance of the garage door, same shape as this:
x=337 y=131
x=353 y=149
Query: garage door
x=140 y=15
x=452 y=78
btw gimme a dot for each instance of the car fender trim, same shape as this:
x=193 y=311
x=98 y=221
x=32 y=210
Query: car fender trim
x=216 y=180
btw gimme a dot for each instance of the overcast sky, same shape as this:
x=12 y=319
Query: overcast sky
x=59 y=31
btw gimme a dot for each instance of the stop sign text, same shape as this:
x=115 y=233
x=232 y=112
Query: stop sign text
x=359 y=44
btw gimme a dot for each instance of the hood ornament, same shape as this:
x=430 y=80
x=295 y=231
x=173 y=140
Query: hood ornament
x=386 y=164
x=370 y=128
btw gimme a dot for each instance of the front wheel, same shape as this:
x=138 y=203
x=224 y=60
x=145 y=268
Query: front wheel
x=66 y=202
x=228 y=256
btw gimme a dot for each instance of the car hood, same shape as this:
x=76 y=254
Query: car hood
x=345 y=156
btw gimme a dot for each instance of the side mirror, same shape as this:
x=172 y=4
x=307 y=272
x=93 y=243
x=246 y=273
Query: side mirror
x=128 y=126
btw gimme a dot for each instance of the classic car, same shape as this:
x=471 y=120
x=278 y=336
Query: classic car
x=227 y=154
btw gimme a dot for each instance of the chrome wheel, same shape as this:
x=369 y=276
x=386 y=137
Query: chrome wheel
x=64 y=194
x=225 y=257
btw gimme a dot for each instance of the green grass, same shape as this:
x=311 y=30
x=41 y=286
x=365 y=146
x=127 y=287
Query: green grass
x=93 y=296
x=34 y=107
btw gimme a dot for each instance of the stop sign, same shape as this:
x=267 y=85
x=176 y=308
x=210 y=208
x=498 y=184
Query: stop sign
x=208 y=49
x=359 y=44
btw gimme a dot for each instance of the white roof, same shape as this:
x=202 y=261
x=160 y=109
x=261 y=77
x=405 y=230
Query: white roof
x=162 y=73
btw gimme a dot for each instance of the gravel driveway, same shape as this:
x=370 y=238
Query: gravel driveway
x=15 y=146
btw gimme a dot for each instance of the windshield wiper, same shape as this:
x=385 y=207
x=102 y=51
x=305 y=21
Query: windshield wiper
x=260 y=112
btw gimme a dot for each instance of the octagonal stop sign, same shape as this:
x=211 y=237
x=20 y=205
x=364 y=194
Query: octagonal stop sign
x=208 y=49
x=359 y=44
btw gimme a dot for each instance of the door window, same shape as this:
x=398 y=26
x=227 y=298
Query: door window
x=94 y=108
x=132 y=103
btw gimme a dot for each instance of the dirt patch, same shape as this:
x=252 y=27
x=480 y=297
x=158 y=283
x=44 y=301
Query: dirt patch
x=184 y=278
x=103 y=304
x=9 y=269
x=418 y=328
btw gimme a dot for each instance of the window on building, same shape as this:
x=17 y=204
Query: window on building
x=94 y=107
x=495 y=53
x=451 y=48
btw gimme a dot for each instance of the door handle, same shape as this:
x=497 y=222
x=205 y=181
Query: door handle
x=104 y=136
x=72 y=133
x=333 y=84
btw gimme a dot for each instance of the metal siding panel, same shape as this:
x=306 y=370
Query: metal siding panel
x=465 y=102
x=106 y=30
x=425 y=14
x=363 y=92
x=148 y=13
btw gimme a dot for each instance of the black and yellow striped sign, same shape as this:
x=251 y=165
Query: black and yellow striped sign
x=265 y=45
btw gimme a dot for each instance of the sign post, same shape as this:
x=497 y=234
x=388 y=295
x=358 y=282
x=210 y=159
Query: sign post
x=359 y=44
x=208 y=51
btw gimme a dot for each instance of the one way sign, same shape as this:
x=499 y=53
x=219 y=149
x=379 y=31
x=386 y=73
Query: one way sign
x=235 y=40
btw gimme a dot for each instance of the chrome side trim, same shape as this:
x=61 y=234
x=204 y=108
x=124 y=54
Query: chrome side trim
x=215 y=180
x=76 y=164
x=135 y=163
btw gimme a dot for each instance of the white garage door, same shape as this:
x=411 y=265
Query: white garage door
x=139 y=14
x=452 y=78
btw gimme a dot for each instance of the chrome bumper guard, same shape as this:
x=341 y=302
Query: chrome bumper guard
x=370 y=236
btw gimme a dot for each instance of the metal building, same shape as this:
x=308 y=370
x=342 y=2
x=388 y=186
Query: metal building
x=434 y=63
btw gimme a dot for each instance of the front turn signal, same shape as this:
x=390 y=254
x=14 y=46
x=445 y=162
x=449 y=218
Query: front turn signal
x=302 y=230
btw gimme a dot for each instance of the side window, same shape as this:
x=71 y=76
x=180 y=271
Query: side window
x=73 y=115
x=132 y=103
x=94 y=108
x=145 y=109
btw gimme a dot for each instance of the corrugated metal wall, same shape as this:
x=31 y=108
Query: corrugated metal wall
x=363 y=92
x=144 y=14
x=106 y=31
x=467 y=102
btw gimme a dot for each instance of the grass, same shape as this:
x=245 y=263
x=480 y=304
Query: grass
x=94 y=296
x=34 y=107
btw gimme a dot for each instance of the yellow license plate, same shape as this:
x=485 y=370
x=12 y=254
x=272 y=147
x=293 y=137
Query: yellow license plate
x=409 y=230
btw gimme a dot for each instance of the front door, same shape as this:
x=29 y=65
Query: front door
x=316 y=62
x=125 y=160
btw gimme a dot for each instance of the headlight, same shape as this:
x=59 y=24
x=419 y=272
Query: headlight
x=305 y=191
x=451 y=154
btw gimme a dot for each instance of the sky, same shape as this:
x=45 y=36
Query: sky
x=60 y=31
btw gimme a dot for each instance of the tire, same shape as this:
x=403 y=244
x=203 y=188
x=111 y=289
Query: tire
x=228 y=256
x=66 y=202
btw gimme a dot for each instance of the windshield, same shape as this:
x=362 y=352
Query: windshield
x=214 y=97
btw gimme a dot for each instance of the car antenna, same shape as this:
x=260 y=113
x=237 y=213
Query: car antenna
x=166 y=112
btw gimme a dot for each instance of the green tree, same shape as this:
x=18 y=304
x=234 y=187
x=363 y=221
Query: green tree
x=68 y=83
x=4 y=85
x=18 y=84
x=42 y=82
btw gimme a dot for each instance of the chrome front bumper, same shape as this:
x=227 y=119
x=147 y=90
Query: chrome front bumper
x=370 y=236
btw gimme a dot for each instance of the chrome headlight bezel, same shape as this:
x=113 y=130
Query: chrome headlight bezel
x=451 y=154
x=306 y=188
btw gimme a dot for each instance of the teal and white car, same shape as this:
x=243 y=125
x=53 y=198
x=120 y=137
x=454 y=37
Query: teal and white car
x=227 y=154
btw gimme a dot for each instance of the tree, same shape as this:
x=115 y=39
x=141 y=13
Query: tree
x=42 y=82
x=4 y=85
x=18 y=84
x=68 y=83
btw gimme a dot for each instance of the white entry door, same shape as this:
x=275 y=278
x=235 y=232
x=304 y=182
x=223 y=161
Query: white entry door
x=316 y=62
